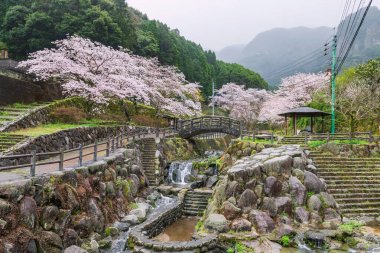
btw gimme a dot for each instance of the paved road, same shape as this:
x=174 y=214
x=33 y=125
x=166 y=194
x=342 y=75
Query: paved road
x=24 y=172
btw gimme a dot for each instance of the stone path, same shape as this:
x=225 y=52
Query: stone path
x=24 y=172
x=354 y=182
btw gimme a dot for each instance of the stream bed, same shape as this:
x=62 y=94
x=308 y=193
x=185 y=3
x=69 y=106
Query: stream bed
x=180 y=231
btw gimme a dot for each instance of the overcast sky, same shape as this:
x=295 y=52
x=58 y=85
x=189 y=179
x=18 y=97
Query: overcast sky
x=219 y=23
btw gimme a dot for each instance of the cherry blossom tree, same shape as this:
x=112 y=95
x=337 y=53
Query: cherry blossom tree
x=294 y=91
x=240 y=103
x=99 y=73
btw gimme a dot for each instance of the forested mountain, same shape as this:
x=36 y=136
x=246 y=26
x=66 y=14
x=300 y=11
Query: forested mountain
x=30 y=25
x=272 y=53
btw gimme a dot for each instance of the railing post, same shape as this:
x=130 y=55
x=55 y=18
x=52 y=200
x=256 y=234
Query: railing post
x=61 y=159
x=113 y=145
x=117 y=142
x=33 y=163
x=80 y=161
x=254 y=136
x=108 y=148
x=96 y=151
x=121 y=140
x=350 y=136
x=271 y=138
x=328 y=137
x=370 y=136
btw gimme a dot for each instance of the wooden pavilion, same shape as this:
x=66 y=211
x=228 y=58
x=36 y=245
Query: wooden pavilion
x=302 y=112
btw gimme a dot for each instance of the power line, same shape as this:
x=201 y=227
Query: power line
x=300 y=60
x=354 y=38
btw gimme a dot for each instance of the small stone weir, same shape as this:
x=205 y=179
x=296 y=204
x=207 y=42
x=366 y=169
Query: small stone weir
x=354 y=182
x=149 y=160
x=196 y=202
x=143 y=234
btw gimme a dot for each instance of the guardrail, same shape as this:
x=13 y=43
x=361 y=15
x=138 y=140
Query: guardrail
x=108 y=146
x=260 y=135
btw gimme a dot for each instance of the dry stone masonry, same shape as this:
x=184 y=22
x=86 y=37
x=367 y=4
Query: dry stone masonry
x=274 y=192
x=72 y=208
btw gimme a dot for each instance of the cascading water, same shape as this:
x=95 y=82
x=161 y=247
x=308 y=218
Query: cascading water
x=179 y=170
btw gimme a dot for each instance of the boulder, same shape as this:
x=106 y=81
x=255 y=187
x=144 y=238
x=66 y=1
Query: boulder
x=229 y=210
x=96 y=215
x=278 y=165
x=135 y=184
x=238 y=173
x=5 y=208
x=299 y=163
x=262 y=221
x=216 y=222
x=272 y=187
x=269 y=205
x=283 y=205
x=211 y=181
x=141 y=211
x=263 y=246
x=301 y=215
x=247 y=200
x=241 y=224
x=327 y=200
x=315 y=219
x=49 y=215
x=251 y=184
x=74 y=249
x=28 y=212
x=49 y=242
x=314 y=203
x=209 y=171
x=233 y=189
x=71 y=237
x=330 y=214
x=313 y=183
x=311 y=168
x=131 y=219
x=283 y=229
x=298 y=174
x=297 y=191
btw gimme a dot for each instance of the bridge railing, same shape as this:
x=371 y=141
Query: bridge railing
x=208 y=124
x=81 y=154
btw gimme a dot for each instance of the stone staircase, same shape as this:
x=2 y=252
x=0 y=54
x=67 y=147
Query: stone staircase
x=297 y=140
x=354 y=182
x=196 y=202
x=12 y=113
x=149 y=160
x=9 y=140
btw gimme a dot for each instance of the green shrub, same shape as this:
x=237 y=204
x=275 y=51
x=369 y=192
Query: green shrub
x=67 y=114
x=285 y=241
x=230 y=250
x=350 y=226
x=309 y=194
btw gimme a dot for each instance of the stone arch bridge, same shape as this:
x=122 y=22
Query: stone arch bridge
x=208 y=124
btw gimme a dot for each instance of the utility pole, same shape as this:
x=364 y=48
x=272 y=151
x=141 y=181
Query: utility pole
x=333 y=67
x=212 y=97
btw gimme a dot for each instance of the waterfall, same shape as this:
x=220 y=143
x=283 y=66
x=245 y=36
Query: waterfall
x=179 y=170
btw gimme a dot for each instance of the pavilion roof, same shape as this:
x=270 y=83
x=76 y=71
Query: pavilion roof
x=304 y=111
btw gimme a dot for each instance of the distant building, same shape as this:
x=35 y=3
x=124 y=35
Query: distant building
x=3 y=53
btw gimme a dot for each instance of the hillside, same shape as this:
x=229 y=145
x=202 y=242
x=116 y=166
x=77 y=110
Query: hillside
x=28 y=26
x=278 y=48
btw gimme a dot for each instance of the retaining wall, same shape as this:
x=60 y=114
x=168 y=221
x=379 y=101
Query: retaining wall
x=142 y=234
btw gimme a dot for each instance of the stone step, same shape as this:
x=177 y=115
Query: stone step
x=359 y=195
x=344 y=170
x=361 y=210
x=356 y=183
x=354 y=189
x=192 y=213
x=194 y=209
x=351 y=177
x=198 y=195
x=353 y=200
x=196 y=204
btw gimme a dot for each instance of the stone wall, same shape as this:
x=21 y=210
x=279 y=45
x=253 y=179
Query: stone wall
x=16 y=87
x=66 y=139
x=52 y=212
x=355 y=150
x=40 y=115
x=272 y=193
x=141 y=235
